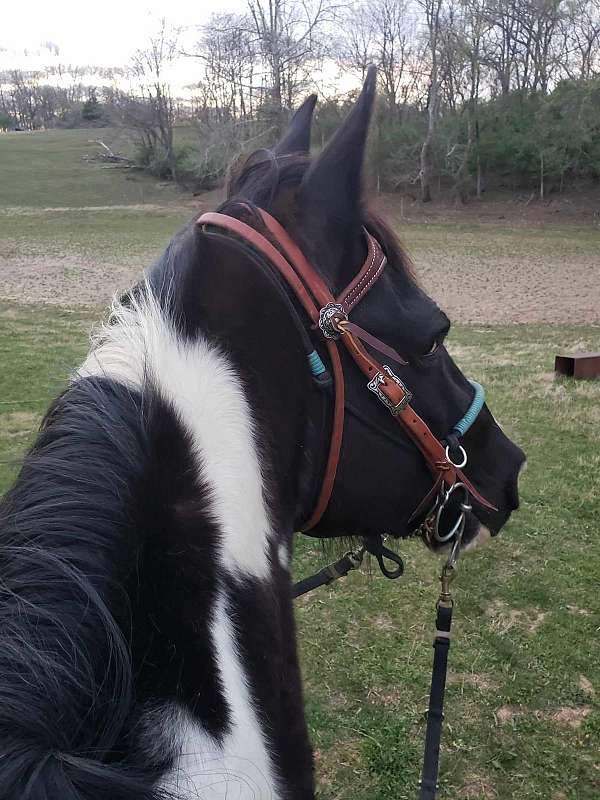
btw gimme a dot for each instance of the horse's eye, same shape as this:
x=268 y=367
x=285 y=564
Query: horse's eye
x=434 y=347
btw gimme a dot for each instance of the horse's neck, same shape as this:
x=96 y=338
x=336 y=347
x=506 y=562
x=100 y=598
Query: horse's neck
x=142 y=350
x=156 y=563
x=216 y=579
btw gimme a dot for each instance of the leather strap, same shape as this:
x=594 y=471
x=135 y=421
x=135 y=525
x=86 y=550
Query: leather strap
x=371 y=270
x=294 y=278
x=432 y=449
x=372 y=341
x=311 y=278
x=264 y=246
x=332 y=572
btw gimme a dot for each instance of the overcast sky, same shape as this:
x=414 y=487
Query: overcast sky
x=107 y=34
x=100 y=34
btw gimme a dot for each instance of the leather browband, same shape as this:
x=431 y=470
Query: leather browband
x=314 y=295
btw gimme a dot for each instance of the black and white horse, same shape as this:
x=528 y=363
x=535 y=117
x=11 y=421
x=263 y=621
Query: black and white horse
x=147 y=644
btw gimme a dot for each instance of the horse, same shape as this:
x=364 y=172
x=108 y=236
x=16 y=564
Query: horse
x=148 y=647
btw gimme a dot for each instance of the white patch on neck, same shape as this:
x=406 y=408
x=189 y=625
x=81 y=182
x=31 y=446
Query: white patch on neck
x=139 y=347
x=240 y=766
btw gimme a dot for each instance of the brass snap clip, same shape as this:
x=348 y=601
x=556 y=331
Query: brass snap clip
x=446 y=577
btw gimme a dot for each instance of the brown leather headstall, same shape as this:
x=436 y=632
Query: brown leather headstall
x=330 y=315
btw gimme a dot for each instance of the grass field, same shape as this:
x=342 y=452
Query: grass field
x=523 y=710
x=46 y=169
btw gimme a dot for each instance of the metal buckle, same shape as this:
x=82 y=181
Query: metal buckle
x=375 y=383
x=328 y=315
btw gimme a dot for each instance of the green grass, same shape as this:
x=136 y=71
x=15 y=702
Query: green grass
x=526 y=620
x=57 y=207
x=118 y=236
x=38 y=348
x=46 y=169
x=486 y=241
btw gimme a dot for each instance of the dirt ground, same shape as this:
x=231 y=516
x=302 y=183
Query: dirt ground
x=491 y=263
x=510 y=290
x=70 y=281
x=580 y=206
x=469 y=290
x=507 y=259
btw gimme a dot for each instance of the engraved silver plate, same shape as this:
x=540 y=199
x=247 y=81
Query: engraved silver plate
x=327 y=315
x=375 y=386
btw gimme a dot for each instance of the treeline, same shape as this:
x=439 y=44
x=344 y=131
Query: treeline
x=473 y=93
x=520 y=141
x=63 y=96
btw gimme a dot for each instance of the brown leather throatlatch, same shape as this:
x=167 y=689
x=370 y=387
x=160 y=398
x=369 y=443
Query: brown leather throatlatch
x=331 y=316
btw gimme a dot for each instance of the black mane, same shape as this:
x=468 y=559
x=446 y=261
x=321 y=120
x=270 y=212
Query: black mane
x=262 y=174
x=67 y=541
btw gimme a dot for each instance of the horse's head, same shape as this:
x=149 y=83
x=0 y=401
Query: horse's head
x=381 y=475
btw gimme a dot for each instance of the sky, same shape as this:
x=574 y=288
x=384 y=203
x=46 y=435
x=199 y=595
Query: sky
x=101 y=34
x=107 y=34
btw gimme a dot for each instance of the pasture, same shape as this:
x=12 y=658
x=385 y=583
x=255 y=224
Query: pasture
x=523 y=704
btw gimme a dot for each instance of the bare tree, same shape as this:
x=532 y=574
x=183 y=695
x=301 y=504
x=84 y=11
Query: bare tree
x=433 y=12
x=395 y=48
x=581 y=36
x=290 y=38
x=540 y=26
x=153 y=117
x=464 y=33
x=382 y=32
x=24 y=98
x=503 y=50
x=356 y=45
x=227 y=50
x=526 y=43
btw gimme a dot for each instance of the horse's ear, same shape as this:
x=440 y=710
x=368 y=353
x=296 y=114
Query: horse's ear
x=296 y=139
x=330 y=192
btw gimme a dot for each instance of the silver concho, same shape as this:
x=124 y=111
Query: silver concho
x=375 y=383
x=327 y=315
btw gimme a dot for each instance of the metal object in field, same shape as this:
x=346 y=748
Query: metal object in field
x=584 y=366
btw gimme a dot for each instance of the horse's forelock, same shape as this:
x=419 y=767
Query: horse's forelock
x=260 y=178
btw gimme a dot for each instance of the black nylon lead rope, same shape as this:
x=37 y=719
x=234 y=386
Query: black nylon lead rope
x=435 y=713
x=441 y=645
x=339 y=569
x=352 y=560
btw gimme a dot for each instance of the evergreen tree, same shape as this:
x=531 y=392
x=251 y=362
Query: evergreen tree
x=91 y=110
